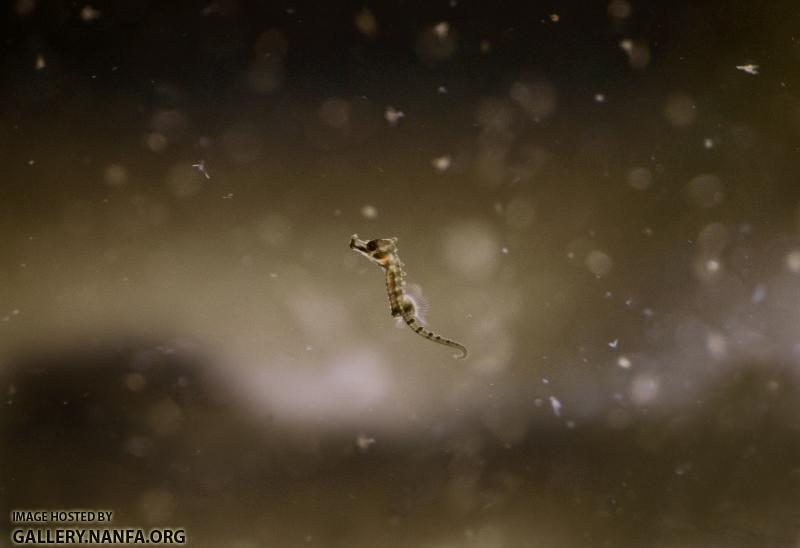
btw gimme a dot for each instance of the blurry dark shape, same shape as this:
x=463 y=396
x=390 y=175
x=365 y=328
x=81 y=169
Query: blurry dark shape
x=24 y=8
x=680 y=110
x=705 y=190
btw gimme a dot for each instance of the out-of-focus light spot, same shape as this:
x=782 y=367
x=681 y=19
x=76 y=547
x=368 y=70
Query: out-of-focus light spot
x=717 y=346
x=366 y=23
x=164 y=417
x=442 y=30
x=680 y=110
x=644 y=389
x=759 y=294
x=369 y=212
x=640 y=178
x=614 y=343
x=243 y=143
x=470 y=248
x=713 y=266
x=393 y=116
x=599 y=98
x=442 y=163
x=537 y=99
x=115 y=175
x=40 y=63
x=793 y=261
x=88 y=13
x=139 y=446
x=705 y=191
x=619 y=9
x=599 y=263
x=708 y=143
x=135 y=382
x=485 y=46
x=555 y=18
x=264 y=76
x=273 y=229
x=183 y=181
x=157 y=506
x=624 y=362
x=437 y=43
x=519 y=213
x=638 y=53
x=335 y=113
x=683 y=468
x=441 y=90
x=155 y=142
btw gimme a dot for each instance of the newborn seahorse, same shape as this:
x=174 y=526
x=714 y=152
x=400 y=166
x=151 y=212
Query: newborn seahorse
x=383 y=252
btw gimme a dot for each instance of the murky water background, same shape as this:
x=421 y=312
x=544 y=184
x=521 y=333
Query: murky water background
x=595 y=200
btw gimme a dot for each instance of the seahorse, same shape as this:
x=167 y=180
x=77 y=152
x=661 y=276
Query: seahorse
x=383 y=252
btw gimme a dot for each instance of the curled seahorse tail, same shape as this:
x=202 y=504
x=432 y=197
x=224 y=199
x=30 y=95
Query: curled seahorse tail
x=415 y=326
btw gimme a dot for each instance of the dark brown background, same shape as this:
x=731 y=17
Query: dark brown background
x=616 y=233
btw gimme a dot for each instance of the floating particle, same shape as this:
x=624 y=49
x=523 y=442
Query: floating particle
x=442 y=163
x=599 y=98
x=115 y=175
x=88 y=13
x=504 y=250
x=31 y=162
x=364 y=442
x=555 y=405
x=40 y=62
x=624 y=362
x=749 y=68
x=441 y=30
x=369 y=212
x=228 y=196
x=24 y=8
x=614 y=343
x=201 y=167
x=366 y=23
x=393 y=116
x=555 y=18
x=599 y=263
x=486 y=46
x=441 y=90
x=626 y=45
x=708 y=142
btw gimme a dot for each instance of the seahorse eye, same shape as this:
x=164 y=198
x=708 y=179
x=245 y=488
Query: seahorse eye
x=372 y=245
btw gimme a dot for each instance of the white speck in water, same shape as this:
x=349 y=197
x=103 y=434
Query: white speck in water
x=614 y=343
x=555 y=18
x=504 y=250
x=556 y=405
x=599 y=98
x=708 y=142
x=442 y=163
x=624 y=362
x=201 y=167
x=683 y=468
x=227 y=196
x=364 y=442
x=40 y=63
x=713 y=266
x=545 y=380
x=442 y=90
x=749 y=68
x=442 y=30
x=393 y=116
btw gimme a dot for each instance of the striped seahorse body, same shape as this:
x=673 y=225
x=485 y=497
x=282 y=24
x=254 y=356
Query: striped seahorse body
x=383 y=252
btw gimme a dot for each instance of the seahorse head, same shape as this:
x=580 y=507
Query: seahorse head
x=379 y=251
